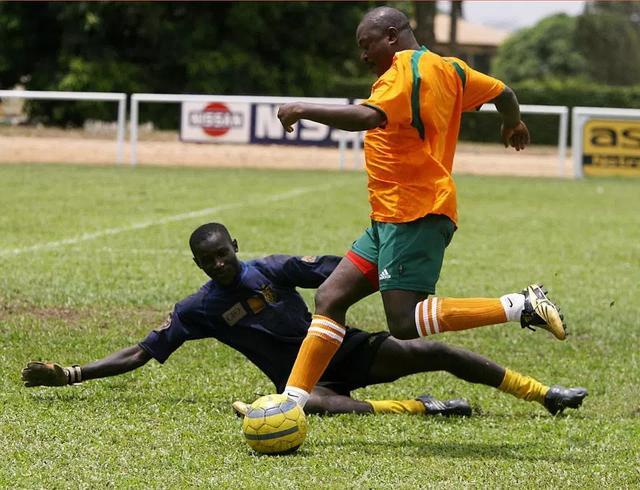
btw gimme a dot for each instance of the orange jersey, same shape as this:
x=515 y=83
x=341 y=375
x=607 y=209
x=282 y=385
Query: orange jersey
x=409 y=160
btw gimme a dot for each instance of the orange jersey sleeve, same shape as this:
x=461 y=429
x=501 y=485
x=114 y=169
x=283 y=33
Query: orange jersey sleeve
x=478 y=87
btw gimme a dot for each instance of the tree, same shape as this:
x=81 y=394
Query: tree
x=425 y=14
x=608 y=36
x=546 y=50
x=454 y=15
x=265 y=48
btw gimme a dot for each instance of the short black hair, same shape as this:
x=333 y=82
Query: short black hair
x=385 y=17
x=203 y=232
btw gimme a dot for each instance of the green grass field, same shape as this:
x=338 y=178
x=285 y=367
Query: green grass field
x=92 y=258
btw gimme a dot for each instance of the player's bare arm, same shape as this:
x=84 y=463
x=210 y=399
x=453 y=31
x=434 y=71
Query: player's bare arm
x=513 y=131
x=52 y=374
x=345 y=117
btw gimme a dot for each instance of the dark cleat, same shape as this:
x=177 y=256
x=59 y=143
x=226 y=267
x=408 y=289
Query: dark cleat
x=458 y=407
x=540 y=311
x=558 y=398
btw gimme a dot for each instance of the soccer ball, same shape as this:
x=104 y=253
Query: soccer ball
x=274 y=424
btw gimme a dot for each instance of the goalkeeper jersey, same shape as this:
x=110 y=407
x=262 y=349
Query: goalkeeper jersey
x=260 y=315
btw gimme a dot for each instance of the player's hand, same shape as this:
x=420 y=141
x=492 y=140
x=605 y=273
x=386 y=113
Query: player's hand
x=289 y=114
x=517 y=136
x=44 y=374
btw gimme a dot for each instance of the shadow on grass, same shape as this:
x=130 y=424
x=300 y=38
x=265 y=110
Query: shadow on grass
x=64 y=396
x=541 y=416
x=466 y=450
x=122 y=393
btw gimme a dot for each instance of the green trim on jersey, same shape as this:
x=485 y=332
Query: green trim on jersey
x=461 y=73
x=416 y=121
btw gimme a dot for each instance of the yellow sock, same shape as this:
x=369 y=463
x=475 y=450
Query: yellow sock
x=523 y=387
x=435 y=315
x=323 y=339
x=397 y=406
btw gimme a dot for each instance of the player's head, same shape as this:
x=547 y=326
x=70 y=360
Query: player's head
x=214 y=251
x=383 y=32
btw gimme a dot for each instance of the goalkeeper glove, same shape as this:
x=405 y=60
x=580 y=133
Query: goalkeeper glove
x=50 y=374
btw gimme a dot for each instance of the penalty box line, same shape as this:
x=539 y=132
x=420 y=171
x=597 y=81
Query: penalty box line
x=85 y=237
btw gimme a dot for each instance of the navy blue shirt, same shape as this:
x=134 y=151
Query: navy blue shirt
x=261 y=306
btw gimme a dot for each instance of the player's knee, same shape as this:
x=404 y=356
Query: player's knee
x=440 y=355
x=402 y=326
x=413 y=352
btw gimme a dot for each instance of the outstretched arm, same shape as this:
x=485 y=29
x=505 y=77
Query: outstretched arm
x=51 y=374
x=345 y=117
x=513 y=131
x=305 y=272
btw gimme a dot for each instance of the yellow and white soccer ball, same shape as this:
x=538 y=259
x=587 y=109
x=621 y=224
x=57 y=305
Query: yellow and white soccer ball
x=274 y=424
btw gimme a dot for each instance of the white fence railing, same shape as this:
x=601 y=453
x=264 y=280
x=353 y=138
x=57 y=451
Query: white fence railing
x=120 y=98
x=563 y=126
x=580 y=116
x=136 y=99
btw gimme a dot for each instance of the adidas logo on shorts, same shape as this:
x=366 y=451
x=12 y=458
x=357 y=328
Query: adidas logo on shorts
x=384 y=275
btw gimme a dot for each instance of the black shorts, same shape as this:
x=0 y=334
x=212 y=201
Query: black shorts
x=351 y=368
x=348 y=370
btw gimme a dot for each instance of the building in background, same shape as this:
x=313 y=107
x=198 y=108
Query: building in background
x=475 y=43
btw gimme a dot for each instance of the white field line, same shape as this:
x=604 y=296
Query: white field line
x=165 y=251
x=168 y=219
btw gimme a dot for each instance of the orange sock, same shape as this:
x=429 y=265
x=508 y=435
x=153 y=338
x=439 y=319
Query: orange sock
x=435 y=315
x=323 y=339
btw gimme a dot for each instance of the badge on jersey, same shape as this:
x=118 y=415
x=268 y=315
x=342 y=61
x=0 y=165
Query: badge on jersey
x=234 y=314
x=269 y=294
x=311 y=259
x=256 y=303
x=165 y=325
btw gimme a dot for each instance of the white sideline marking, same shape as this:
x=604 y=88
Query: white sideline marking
x=166 y=251
x=169 y=219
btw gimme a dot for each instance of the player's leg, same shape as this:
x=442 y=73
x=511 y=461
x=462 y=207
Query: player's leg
x=326 y=401
x=323 y=400
x=410 y=259
x=408 y=318
x=346 y=285
x=350 y=369
x=397 y=358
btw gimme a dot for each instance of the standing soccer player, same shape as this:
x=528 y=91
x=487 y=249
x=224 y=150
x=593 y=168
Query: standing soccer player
x=413 y=119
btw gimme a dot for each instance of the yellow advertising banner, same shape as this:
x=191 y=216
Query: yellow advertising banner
x=611 y=147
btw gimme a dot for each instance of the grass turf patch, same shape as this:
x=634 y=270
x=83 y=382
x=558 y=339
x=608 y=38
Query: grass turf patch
x=92 y=258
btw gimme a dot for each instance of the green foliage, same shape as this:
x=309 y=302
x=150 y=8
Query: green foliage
x=547 y=50
x=610 y=41
x=601 y=45
x=171 y=426
x=577 y=93
x=259 y=48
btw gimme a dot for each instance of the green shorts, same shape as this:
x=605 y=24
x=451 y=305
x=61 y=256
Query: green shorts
x=408 y=255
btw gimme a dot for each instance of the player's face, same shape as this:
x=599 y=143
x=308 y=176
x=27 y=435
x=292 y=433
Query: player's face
x=217 y=259
x=377 y=47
